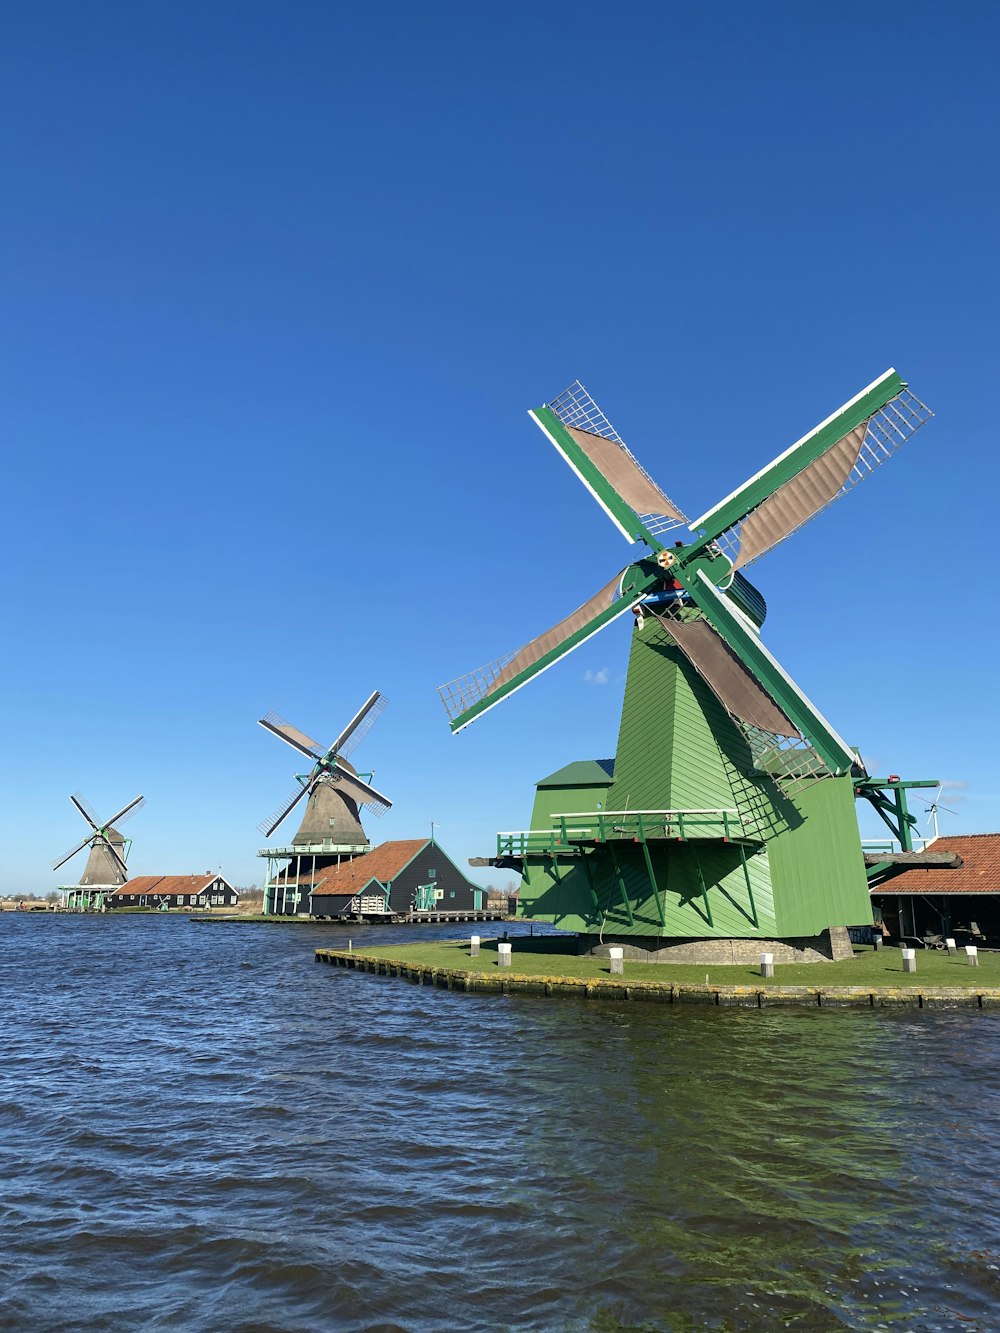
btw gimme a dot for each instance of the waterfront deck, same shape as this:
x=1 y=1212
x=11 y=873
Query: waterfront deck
x=407 y=919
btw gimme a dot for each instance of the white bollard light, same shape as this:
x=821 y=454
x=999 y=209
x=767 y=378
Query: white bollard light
x=909 y=960
x=952 y=948
x=504 y=952
x=767 y=965
x=474 y=947
x=617 y=956
x=972 y=955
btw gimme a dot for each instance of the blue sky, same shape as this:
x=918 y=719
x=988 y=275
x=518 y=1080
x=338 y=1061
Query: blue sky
x=279 y=284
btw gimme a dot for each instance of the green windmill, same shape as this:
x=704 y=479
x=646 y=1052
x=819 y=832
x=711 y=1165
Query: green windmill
x=728 y=811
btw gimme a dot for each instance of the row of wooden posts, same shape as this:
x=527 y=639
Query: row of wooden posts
x=616 y=956
x=971 y=955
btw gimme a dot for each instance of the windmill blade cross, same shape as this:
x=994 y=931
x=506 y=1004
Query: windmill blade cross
x=360 y=724
x=587 y=441
x=292 y=736
x=361 y=792
x=819 y=468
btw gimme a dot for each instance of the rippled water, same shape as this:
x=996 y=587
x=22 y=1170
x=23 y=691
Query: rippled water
x=200 y=1128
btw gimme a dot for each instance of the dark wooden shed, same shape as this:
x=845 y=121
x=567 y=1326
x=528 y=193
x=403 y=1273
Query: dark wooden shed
x=414 y=873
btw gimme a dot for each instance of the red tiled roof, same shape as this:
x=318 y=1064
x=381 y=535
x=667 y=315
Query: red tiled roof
x=979 y=873
x=382 y=863
x=167 y=884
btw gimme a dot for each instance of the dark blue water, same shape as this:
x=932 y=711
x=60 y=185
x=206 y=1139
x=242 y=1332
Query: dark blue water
x=201 y=1129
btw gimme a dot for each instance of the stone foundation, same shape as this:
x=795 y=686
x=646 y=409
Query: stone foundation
x=832 y=945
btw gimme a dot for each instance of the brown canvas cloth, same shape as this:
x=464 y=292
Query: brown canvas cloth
x=625 y=475
x=293 y=734
x=739 y=692
x=537 y=648
x=798 y=499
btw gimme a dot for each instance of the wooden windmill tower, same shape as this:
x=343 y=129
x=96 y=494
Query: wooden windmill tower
x=728 y=812
x=334 y=792
x=105 y=870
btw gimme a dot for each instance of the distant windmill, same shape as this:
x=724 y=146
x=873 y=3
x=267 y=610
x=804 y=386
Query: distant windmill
x=331 y=825
x=105 y=868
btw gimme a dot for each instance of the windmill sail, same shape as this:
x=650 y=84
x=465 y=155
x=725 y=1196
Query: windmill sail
x=740 y=693
x=268 y=825
x=741 y=636
x=360 y=791
x=470 y=696
x=798 y=500
x=292 y=736
x=825 y=464
x=776 y=745
x=599 y=456
x=360 y=724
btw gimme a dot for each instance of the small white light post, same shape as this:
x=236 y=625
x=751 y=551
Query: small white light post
x=767 y=965
x=617 y=955
x=909 y=960
x=474 y=947
x=952 y=948
x=972 y=955
x=504 y=951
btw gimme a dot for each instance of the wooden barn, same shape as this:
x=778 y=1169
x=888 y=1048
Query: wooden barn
x=413 y=874
x=963 y=903
x=175 y=891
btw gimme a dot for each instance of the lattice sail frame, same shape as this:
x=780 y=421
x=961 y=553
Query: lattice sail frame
x=888 y=429
x=463 y=692
x=789 y=761
x=283 y=809
x=575 y=408
x=364 y=726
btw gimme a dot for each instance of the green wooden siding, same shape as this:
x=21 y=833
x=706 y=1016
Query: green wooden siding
x=819 y=862
x=679 y=749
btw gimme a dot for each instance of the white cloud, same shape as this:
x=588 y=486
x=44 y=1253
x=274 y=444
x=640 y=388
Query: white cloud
x=597 y=677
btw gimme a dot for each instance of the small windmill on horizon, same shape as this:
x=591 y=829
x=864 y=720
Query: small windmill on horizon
x=106 y=868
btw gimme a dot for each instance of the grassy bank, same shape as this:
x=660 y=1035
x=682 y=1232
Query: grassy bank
x=550 y=957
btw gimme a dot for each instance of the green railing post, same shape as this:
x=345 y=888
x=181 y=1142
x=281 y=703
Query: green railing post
x=704 y=888
x=652 y=882
x=746 y=875
x=622 y=888
x=590 y=879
